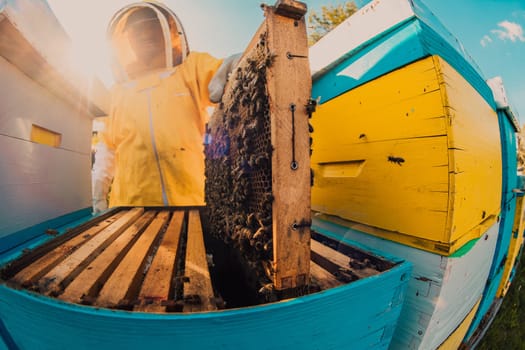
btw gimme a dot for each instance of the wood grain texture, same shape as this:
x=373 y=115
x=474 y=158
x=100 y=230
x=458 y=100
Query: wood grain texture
x=43 y=265
x=258 y=156
x=475 y=163
x=51 y=282
x=404 y=158
x=127 y=275
x=196 y=269
x=96 y=272
x=341 y=260
x=322 y=277
x=156 y=286
x=289 y=84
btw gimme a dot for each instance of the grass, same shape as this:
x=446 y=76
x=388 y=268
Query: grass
x=508 y=329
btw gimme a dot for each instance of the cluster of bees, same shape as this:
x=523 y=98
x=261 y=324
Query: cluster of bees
x=238 y=164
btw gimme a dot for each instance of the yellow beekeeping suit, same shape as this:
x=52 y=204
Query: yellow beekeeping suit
x=157 y=119
x=156 y=129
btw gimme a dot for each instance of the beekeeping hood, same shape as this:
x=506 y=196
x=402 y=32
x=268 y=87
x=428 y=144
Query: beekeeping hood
x=122 y=56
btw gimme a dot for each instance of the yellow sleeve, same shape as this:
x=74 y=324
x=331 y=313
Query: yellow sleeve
x=205 y=67
x=208 y=66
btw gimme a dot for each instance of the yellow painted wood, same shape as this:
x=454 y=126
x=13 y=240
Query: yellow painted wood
x=351 y=168
x=454 y=340
x=389 y=195
x=45 y=136
x=474 y=156
x=516 y=241
x=377 y=111
x=402 y=155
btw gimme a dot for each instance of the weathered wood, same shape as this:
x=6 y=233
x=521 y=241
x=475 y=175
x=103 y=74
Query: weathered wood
x=100 y=269
x=156 y=287
x=43 y=265
x=51 y=282
x=291 y=8
x=128 y=274
x=258 y=158
x=323 y=278
x=198 y=292
x=289 y=88
x=342 y=261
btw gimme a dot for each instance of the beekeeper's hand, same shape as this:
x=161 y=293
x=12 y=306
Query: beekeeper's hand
x=218 y=82
x=102 y=175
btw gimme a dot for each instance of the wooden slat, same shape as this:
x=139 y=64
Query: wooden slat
x=51 y=282
x=330 y=254
x=127 y=275
x=289 y=83
x=43 y=265
x=196 y=268
x=340 y=259
x=156 y=286
x=323 y=278
x=104 y=264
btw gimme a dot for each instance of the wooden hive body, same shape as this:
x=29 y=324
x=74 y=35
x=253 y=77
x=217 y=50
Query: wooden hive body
x=443 y=293
x=46 y=110
x=404 y=159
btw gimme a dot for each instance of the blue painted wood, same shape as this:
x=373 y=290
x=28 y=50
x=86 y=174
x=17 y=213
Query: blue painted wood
x=441 y=291
x=360 y=315
x=6 y=341
x=508 y=210
x=38 y=232
x=420 y=36
x=379 y=56
x=3 y=345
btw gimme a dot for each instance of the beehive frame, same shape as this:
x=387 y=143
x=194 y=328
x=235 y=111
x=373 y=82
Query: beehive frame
x=258 y=158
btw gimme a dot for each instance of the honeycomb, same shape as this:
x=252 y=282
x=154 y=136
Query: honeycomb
x=238 y=163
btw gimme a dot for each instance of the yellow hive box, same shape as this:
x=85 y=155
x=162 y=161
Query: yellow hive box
x=516 y=242
x=414 y=156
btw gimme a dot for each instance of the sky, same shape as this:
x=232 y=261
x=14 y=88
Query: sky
x=492 y=32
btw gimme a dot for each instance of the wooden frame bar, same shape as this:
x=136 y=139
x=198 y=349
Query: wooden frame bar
x=258 y=157
x=126 y=275
x=99 y=270
x=198 y=288
x=157 y=283
x=155 y=260
x=289 y=89
x=45 y=263
x=51 y=282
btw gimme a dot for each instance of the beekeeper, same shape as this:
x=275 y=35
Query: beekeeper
x=151 y=150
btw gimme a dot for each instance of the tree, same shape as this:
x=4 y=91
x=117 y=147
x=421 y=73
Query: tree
x=320 y=23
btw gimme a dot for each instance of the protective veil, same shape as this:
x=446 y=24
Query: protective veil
x=157 y=120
